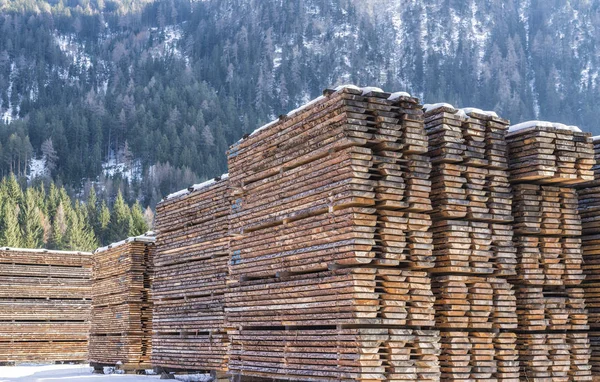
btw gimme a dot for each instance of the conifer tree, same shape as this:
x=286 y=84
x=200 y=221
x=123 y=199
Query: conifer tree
x=77 y=235
x=31 y=221
x=103 y=223
x=59 y=228
x=11 y=234
x=121 y=221
x=139 y=225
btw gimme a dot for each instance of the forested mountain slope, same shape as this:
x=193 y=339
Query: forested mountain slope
x=154 y=92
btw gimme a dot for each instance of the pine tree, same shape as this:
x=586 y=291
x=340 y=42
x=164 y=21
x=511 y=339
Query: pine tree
x=139 y=225
x=31 y=221
x=11 y=234
x=121 y=221
x=59 y=228
x=103 y=223
x=78 y=236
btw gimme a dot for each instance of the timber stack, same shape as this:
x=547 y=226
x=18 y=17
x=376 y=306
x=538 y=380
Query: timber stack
x=45 y=301
x=546 y=162
x=589 y=210
x=190 y=276
x=331 y=243
x=473 y=249
x=121 y=323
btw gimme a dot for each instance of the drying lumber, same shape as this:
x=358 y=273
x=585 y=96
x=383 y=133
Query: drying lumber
x=190 y=275
x=200 y=350
x=121 y=325
x=469 y=179
x=549 y=260
x=589 y=210
x=474 y=193
x=479 y=356
x=551 y=308
x=554 y=356
x=348 y=296
x=543 y=152
x=462 y=246
x=469 y=136
x=343 y=181
x=471 y=302
x=336 y=354
x=44 y=305
x=545 y=210
x=352 y=236
x=340 y=119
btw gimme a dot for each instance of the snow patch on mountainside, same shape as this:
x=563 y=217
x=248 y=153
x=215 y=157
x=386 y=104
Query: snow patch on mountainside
x=9 y=112
x=128 y=171
x=169 y=46
x=37 y=168
x=74 y=49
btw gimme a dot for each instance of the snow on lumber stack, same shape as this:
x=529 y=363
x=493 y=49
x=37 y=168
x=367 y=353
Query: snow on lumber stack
x=44 y=305
x=121 y=324
x=550 y=153
x=190 y=278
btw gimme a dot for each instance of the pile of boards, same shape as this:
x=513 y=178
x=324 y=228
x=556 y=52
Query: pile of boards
x=121 y=322
x=546 y=163
x=44 y=305
x=366 y=237
x=331 y=246
x=190 y=276
x=589 y=210
x=475 y=304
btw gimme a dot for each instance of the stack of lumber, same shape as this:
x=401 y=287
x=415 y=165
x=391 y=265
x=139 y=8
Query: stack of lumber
x=589 y=210
x=546 y=152
x=474 y=302
x=471 y=195
x=479 y=355
x=475 y=305
x=121 y=323
x=190 y=275
x=464 y=246
x=350 y=296
x=559 y=308
x=331 y=243
x=335 y=163
x=44 y=305
x=337 y=354
x=553 y=320
x=554 y=356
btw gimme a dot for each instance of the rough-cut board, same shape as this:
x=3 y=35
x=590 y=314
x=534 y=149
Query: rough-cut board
x=44 y=305
x=190 y=278
x=121 y=324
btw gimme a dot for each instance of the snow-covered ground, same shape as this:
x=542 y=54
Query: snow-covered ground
x=64 y=373
x=77 y=373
